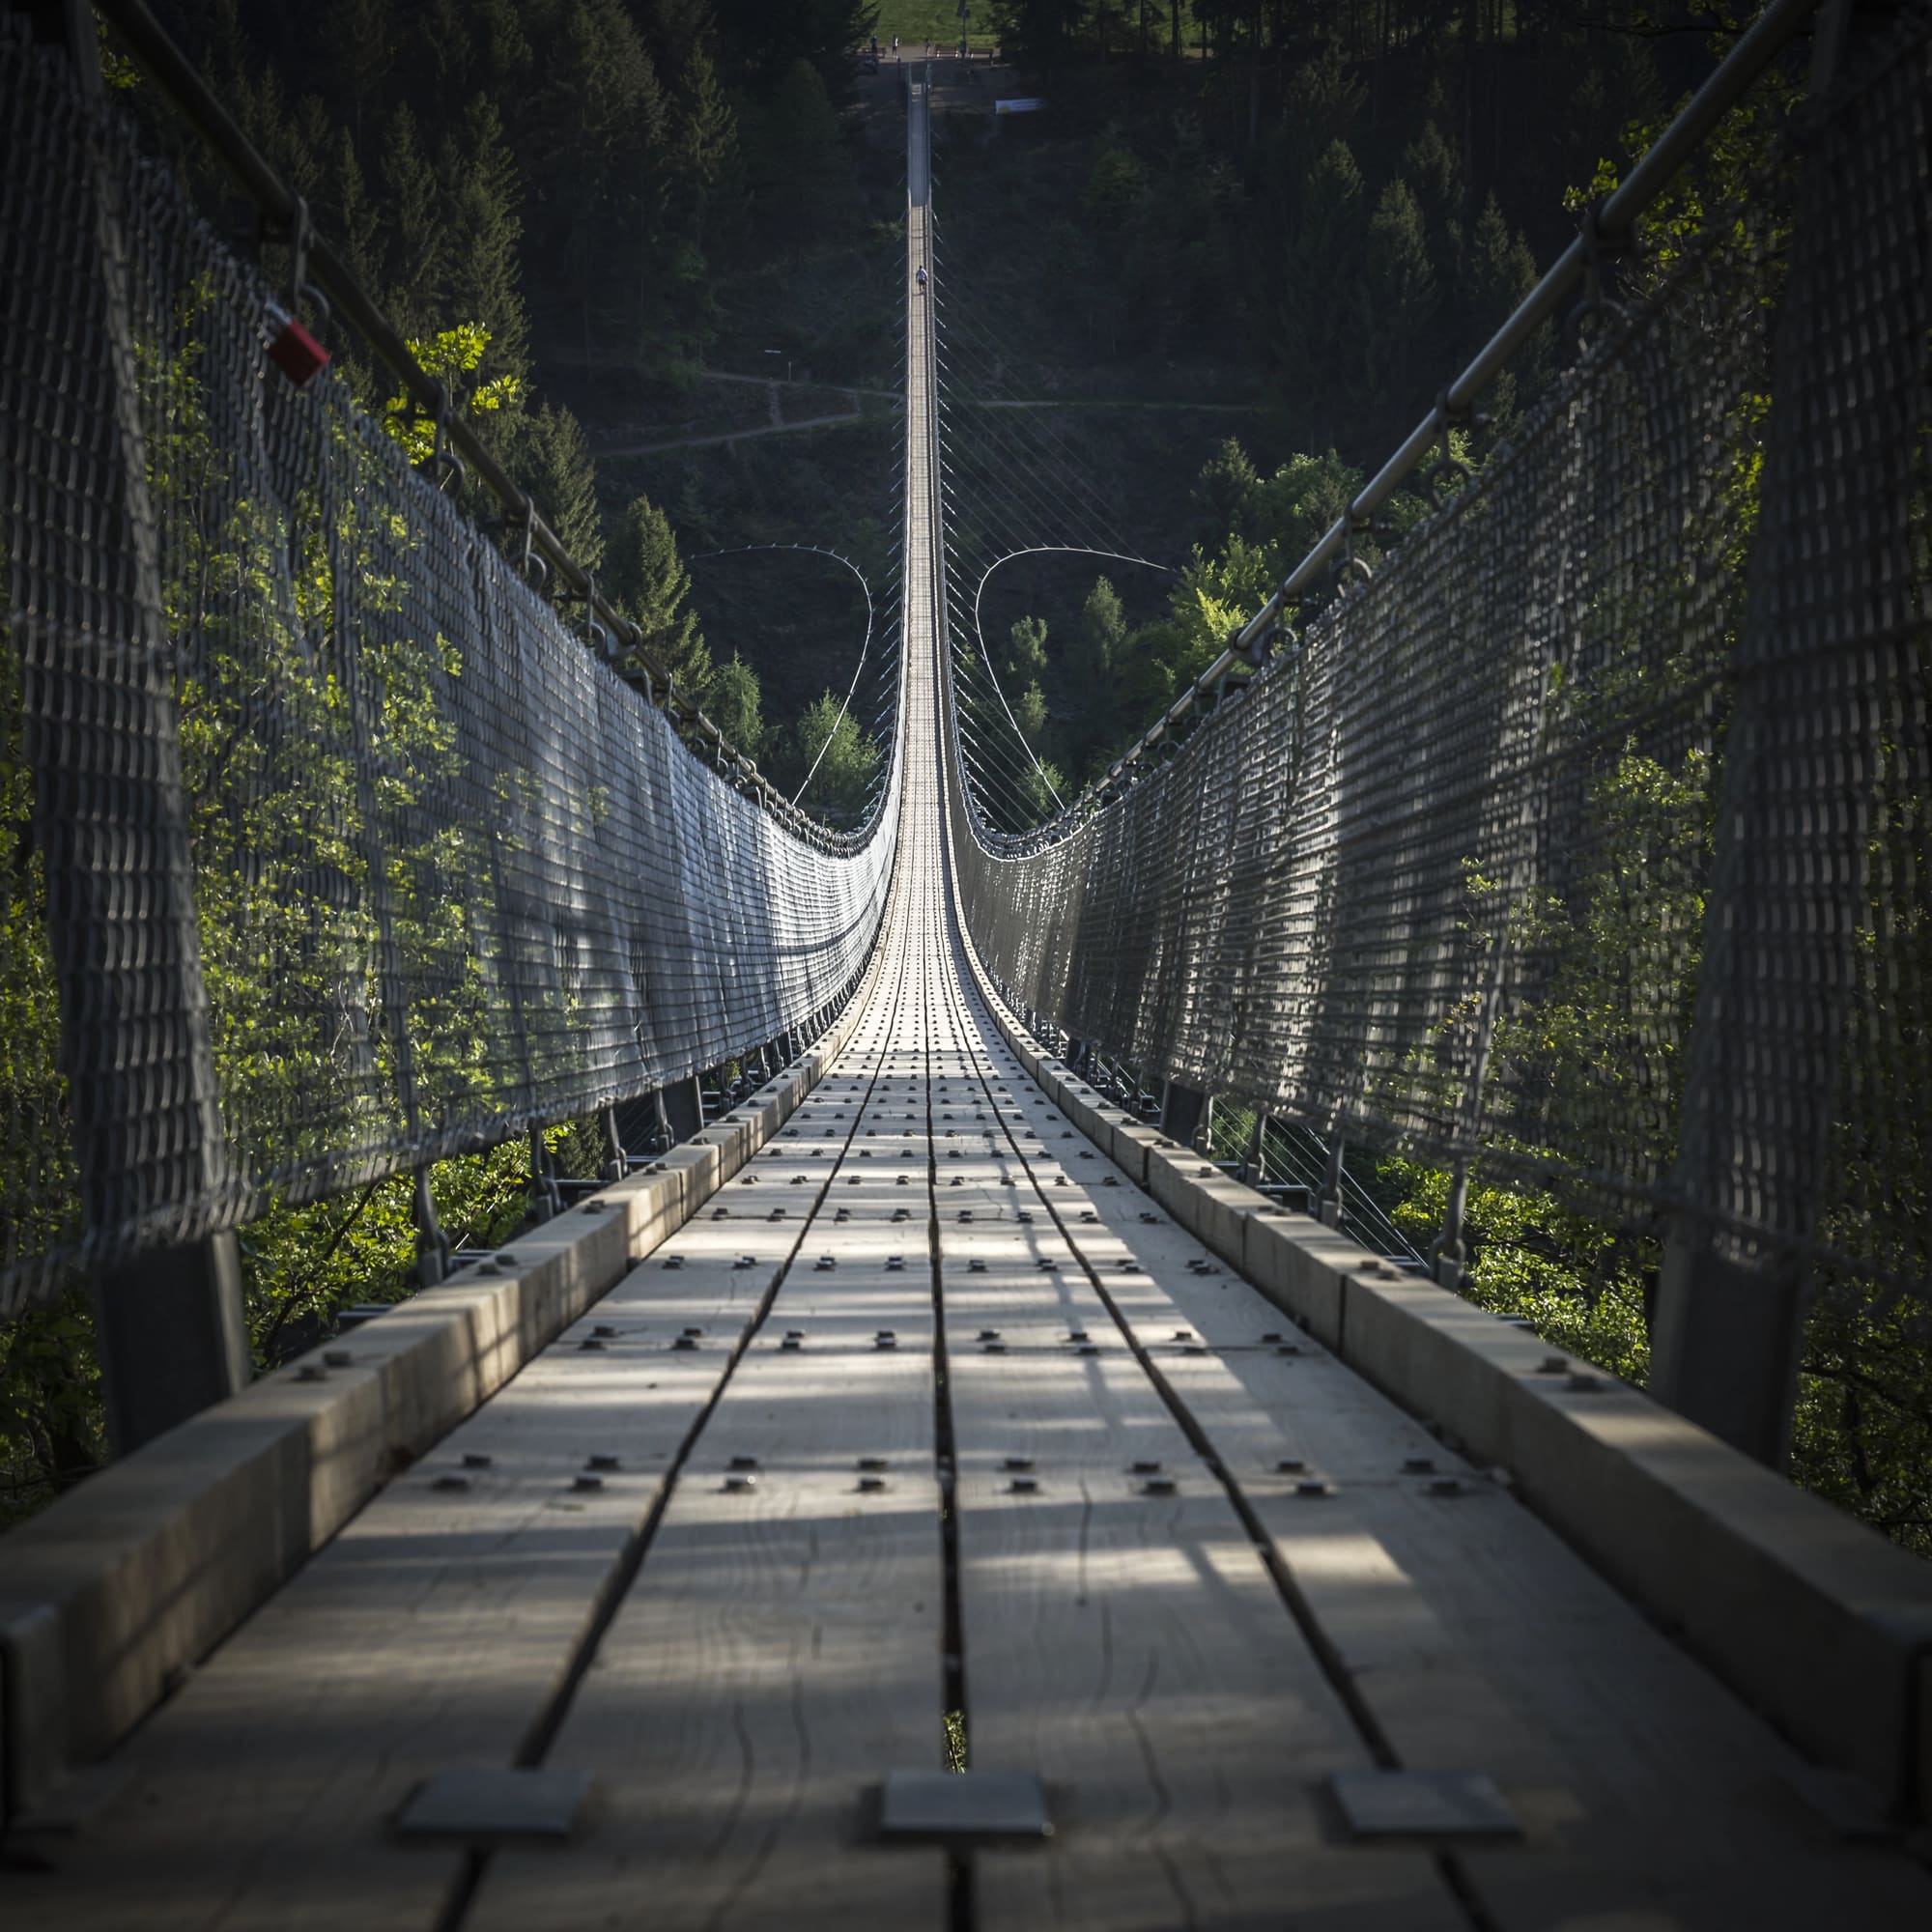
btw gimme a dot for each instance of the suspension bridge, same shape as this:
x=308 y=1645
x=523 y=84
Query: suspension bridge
x=926 y=1484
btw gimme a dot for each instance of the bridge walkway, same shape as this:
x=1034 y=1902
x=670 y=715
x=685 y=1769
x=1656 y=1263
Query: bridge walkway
x=932 y=1434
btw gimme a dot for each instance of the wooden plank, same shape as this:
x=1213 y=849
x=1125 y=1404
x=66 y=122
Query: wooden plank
x=1129 y=1648
x=779 y=1653
x=780 y=1649
x=432 y=1632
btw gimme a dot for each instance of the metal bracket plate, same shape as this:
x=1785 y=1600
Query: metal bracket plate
x=474 y=1801
x=1423 y=1805
x=963 y=1804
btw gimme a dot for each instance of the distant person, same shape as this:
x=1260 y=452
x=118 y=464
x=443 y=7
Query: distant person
x=895 y=47
x=922 y=281
x=875 y=47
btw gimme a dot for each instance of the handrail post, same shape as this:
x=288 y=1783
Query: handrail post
x=432 y=1262
x=1449 y=1253
x=616 y=1162
x=545 y=1201
x=1727 y=1327
x=170 y=1325
x=1328 y=1207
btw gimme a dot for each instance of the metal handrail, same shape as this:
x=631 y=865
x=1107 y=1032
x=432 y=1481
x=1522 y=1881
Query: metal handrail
x=164 y=63
x=1608 y=223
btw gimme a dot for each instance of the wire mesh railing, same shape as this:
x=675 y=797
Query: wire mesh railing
x=1586 y=839
x=331 y=849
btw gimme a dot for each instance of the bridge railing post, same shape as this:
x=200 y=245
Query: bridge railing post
x=112 y=834
x=1254 y=1162
x=1328 y=1205
x=1448 y=1256
x=432 y=1262
x=1185 y=1112
x=1790 y=899
x=545 y=1199
x=616 y=1162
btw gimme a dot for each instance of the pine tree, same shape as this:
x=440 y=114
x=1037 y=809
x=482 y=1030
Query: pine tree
x=353 y=225
x=797 y=166
x=1223 y=494
x=361 y=37
x=700 y=140
x=414 y=241
x=596 y=130
x=445 y=56
x=482 y=199
x=549 y=459
x=648 y=582
x=1026 y=650
x=503 y=58
x=1499 y=270
x=1318 y=304
x=734 y=702
x=844 y=775
x=1398 y=299
x=1103 y=630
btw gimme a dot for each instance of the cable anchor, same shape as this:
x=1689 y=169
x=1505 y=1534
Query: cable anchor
x=443 y=462
x=1448 y=468
x=1350 y=560
x=595 y=635
x=1600 y=254
x=530 y=553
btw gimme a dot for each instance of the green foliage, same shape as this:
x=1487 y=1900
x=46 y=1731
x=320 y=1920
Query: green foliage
x=1399 y=299
x=1026 y=650
x=1030 y=713
x=1313 y=341
x=1861 y=1433
x=1578 y=1282
x=839 y=786
x=482 y=195
x=1115 y=185
x=51 y=1431
x=37 y=1178
x=548 y=456
x=1043 y=787
x=1043 y=35
x=450 y=354
x=795 y=164
x=733 y=700
x=648 y=581
x=1102 y=632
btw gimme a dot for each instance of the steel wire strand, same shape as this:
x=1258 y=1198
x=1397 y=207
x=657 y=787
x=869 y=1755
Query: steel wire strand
x=1025 y=472
x=1081 y=464
x=1029 y=456
x=1038 y=427
x=865 y=645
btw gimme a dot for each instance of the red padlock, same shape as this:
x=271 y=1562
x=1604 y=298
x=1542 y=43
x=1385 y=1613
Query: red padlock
x=292 y=349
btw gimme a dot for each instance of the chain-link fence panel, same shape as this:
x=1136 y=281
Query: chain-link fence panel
x=1589 y=837
x=330 y=850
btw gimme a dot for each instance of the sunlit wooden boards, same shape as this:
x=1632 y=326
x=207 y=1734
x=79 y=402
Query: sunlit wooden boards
x=779 y=1652
x=1124 y=1639
x=432 y=1632
x=1471 y=1636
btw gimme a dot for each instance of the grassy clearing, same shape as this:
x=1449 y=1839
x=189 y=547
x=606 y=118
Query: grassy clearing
x=918 y=21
